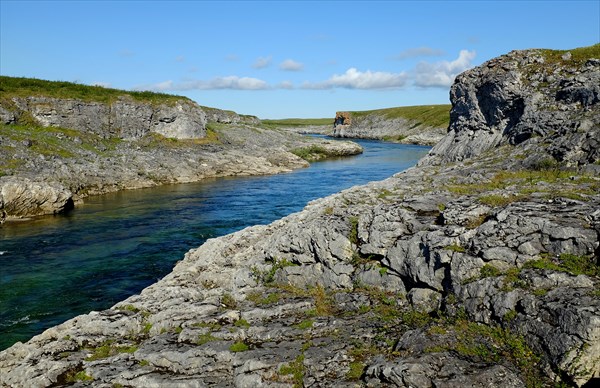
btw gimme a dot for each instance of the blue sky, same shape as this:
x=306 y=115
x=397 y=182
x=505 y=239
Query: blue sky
x=277 y=59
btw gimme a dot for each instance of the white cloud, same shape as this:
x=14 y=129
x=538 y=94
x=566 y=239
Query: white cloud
x=355 y=79
x=262 y=62
x=162 y=86
x=286 y=85
x=419 y=52
x=291 y=65
x=232 y=58
x=229 y=82
x=442 y=74
x=180 y=58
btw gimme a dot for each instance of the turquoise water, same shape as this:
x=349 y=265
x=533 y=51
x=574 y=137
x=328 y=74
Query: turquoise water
x=114 y=245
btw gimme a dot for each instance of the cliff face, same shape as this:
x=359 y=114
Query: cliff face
x=124 y=118
x=483 y=271
x=384 y=124
x=525 y=95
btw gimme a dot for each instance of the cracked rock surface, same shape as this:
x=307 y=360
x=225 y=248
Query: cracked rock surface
x=477 y=269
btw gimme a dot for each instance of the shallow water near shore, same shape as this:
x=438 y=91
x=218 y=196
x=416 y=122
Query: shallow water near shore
x=54 y=268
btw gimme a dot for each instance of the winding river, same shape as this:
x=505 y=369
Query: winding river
x=54 y=268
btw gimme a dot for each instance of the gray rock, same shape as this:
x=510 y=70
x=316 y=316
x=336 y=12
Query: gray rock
x=333 y=314
x=378 y=126
x=125 y=118
x=424 y=299
x=20 y=197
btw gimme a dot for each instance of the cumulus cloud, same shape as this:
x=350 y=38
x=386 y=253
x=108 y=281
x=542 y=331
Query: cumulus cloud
x=262 y=62
x=161 y=86
x=286 y=85
x=291 y=65
x=355 y=79
x=442 y=74
x=419 y=52
x=229 y=82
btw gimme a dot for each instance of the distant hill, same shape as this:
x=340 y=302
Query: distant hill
x=422 y=124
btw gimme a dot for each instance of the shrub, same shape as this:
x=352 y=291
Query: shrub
x=238 y=347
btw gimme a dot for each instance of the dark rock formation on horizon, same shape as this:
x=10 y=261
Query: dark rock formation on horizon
x=480 y=267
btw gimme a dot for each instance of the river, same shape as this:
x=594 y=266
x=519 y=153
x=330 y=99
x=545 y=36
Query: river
x=55 y=268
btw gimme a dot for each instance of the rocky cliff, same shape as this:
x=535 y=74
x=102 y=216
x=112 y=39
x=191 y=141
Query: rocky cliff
x=411 y=125
x=480 y=269
x=523 y=96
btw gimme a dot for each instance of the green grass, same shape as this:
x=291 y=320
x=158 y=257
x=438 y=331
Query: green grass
x=238 y=347
x=74 y=377
x=488 y=271
x=26 y=87
x=228 y=301
x=566 y=262
x=311 y=153
x=304 y=325
x=429 y=115
x=109 y=349
x=268 y=277
x=242 y=323
x=455 y=248
x=353 y=235
x=52 y=141
x=205 y=338
x=578 y=55
x=296 y=369
x=527 y=182
x=356 y=370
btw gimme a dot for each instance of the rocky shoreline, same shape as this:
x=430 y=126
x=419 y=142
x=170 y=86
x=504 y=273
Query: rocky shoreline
x=479 y=267
x=385 y=125
x=51 y=166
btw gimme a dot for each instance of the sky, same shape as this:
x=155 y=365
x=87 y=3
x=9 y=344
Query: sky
x=282 y=59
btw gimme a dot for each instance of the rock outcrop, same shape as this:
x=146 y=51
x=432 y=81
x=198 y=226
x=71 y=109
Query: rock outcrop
x=22 y=197
x=519 y=96
x=125 y=118
x=382 y=125
x=479 y=272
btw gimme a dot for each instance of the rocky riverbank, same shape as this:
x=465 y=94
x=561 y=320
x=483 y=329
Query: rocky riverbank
x=424 y=125
x=57 y=151
x=477 y=269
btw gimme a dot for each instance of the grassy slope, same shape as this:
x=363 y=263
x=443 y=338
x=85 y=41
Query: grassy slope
x=429 y=115
x=26 y=87
x=578 y=55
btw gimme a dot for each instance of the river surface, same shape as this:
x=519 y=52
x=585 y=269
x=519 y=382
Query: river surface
x=55 y=268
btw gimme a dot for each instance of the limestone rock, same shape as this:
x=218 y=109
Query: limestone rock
x=125 y=118
x=480 y=272
x=501 y=102
x=21 y=197
x=378 y=126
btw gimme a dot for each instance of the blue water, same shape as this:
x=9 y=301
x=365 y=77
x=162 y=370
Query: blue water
x=54 y=268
